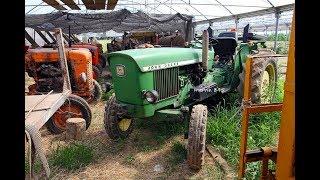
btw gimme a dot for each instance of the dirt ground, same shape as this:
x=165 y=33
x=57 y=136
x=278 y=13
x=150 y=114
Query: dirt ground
x=129 y=159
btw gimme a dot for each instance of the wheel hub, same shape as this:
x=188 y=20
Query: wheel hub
x=65 y=112
x=267 y=84
x=124 y=124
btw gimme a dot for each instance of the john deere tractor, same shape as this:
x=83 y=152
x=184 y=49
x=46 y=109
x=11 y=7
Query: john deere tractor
x=175 y=81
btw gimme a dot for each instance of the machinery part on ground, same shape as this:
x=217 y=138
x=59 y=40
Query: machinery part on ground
x=96 y=72
x=116 y=123
x=197 y=136
x=35 y=143
x=264 y=78
x=97 y=91
x=75 y=106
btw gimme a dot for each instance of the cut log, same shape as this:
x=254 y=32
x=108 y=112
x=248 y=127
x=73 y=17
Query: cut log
x=76 y=128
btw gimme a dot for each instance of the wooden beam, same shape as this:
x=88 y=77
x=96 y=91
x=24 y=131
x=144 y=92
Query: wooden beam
x=100 y=4
x=111 y=4
x=42 y=36
x=29 y=38
x=55 y=4
x=51 y=36
x=89 y=4
x=71 y=4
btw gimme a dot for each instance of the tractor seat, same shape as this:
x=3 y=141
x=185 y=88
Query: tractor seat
x=226 y=46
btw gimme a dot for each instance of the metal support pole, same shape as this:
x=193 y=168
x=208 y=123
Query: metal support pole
x=236 y=20
x=69 y=36
x=276 y=33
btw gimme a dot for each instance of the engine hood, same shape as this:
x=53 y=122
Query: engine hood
x=150 y=59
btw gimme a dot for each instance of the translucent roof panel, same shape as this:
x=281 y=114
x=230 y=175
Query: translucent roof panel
x=199 y=9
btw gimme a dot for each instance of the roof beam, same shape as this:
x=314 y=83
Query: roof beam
x=89 y=4
x=54 y=4
x=195 y=9
x=100 y=4
x=51 y=36
x=71 y=4
x=30 y=39
x=224 y=7
x=42 y=36
x=111 y=4
x=262 y=12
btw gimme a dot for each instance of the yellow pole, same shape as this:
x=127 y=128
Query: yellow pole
x=285 y=157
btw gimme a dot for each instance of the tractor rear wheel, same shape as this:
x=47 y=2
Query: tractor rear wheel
x=116 y=123
x=197 y=136
x=96 y=71
x=74 y=107
x=263 y=80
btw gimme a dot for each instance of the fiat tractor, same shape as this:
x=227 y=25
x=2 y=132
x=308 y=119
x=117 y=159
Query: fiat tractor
x=42 y=64
x=162 y=82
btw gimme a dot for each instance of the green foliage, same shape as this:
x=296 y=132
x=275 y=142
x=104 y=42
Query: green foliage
x=37 y=166
x=224 y=127
x=72 y=157
x=129 y=159
x=105 y=96
x=281 y=37
x=178 y=153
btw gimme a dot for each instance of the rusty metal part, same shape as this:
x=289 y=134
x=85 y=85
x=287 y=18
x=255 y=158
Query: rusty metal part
x=39 y=108
x=286 y=147
x=205 y=49
x=249 y=108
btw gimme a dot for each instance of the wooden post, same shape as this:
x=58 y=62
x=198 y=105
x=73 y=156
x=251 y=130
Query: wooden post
x=76 y=128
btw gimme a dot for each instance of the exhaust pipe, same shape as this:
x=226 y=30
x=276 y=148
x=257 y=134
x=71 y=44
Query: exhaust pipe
x=205 y=49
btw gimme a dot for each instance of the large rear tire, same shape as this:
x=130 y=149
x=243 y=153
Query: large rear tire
x=73 y=107
x=264 y=78
x=116 y=123
x=197 y=136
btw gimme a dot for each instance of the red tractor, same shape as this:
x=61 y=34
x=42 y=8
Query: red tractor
x=98 y=60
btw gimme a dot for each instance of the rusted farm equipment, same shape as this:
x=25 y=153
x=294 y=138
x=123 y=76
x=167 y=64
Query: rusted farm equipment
x=283 y=155
x=41 y=109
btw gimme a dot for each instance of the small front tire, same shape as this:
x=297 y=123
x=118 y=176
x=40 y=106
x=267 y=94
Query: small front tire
x=197 y=137
x=116 y=122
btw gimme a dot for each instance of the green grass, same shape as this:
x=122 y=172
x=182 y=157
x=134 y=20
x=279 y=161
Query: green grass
x=105 y=96
x=71 y=157
x=178 y=153
x=223 y=132
x=37 y=166
x=159 y=131
x=129 y=159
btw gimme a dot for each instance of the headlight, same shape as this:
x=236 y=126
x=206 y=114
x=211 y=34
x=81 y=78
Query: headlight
x=83 y=77
x=151 y=96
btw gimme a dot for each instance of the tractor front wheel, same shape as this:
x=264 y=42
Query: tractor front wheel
x=74 y=107
x=116 y=123
x=197 y=136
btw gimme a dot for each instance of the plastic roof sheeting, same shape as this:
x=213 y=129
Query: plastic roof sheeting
x=201 y=10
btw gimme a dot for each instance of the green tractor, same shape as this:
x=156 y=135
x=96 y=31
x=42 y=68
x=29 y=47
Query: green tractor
x=162 y=82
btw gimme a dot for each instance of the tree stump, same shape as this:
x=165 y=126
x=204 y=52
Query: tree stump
x=76 y=128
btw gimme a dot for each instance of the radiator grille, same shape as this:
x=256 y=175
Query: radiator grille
x=167 y=82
